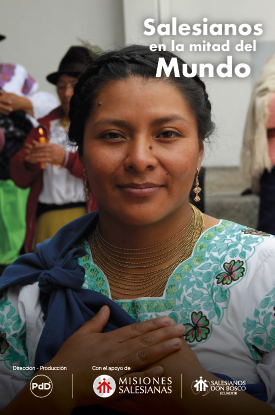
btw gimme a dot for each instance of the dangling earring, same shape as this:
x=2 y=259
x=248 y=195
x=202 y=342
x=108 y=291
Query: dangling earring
x=86 y=187
x=197 y=189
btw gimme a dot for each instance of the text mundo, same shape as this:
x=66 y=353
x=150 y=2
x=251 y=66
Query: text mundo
x=223 y=70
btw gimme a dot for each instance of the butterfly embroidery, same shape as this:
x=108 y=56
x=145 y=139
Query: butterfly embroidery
x=4 y=345
x=233 y=271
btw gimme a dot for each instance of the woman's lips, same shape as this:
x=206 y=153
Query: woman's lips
x=144 y=189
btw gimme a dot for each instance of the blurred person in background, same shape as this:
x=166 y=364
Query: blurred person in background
x=49 y=166
x=20 y=106
x=258 y=152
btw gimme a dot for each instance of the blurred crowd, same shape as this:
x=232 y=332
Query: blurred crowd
x=41 y=177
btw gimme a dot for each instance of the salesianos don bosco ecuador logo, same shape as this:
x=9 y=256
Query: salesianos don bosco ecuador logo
x=104 y=386
x=201 y=386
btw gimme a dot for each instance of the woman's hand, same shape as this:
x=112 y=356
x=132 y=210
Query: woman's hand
x=137 y=346
x=12 y=102
x=183 y=367
x=44 y=153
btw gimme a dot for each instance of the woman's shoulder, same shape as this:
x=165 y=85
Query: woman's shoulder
x=233 y=245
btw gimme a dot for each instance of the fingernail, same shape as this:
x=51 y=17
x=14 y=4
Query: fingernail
x=158 y=371
x=165 y=320
x=179 y=327
x=102 y=308
x=175 y=342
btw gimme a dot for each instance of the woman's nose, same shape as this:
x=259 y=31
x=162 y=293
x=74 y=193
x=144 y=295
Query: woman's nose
x=140 y=155
x=69 y=91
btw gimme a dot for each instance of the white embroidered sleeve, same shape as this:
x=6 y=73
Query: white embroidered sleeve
x=21 y=324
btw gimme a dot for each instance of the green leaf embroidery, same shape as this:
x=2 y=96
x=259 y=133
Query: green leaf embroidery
x=177 y=307
x=206 y=266
x=211 y=314
x=249 y=325
x=272 y=292
x=186 y=303
x=258 y=330
x=221 y=296
x=256 y=313
x=208 y=306
x=195 y=294
x=266 y=319
x=242 y=254
x=268 y=347
x=258 y=341
x=265 y=302
x=190 y=285
x=218 y=312
x=207 y=277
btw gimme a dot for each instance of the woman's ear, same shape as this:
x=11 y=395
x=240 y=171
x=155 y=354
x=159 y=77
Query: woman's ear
x=201 y=151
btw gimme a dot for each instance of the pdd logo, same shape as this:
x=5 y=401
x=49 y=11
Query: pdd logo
x=104 y=386
x=41 y=386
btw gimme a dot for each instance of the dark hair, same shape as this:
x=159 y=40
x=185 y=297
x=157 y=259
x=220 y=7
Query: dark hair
x=134 y=60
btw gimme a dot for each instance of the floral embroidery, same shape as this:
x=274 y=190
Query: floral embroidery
x=201 y=247
x=260 y=331
x=251 y=231
x=99 y=282
x=196 y=284
x=208 y=236
x=199 y=330
x=93 y=272
x=220 y=228
x=158 y=306
x=6 y=73
x=186 y=267
x=171 y=290
x=125 y=306
x=148 y=306
x=13 y=348
x=233 y=271
x=169 y=304
x=4 y=345
x=177 y=277
x=136 y=307
x=28 y=84
x=197 y=259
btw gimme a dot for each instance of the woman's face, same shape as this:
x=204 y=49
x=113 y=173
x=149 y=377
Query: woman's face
x=65 y=90
x=141 y=150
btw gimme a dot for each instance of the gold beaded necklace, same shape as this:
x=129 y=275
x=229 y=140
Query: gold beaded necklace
x=117 y=263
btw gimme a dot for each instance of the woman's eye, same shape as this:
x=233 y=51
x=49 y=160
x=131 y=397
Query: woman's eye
x=112 y=135
x=168 y=134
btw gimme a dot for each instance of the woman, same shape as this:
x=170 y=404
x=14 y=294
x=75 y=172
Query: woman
x=20 y=105
x=141 y=143
x=51 y=168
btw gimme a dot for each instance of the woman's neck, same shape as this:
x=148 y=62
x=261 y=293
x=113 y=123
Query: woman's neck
x=126 y=235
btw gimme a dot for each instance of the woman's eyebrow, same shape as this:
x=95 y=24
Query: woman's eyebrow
x=168 y=118
x=118 y=123
x=125 y=124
